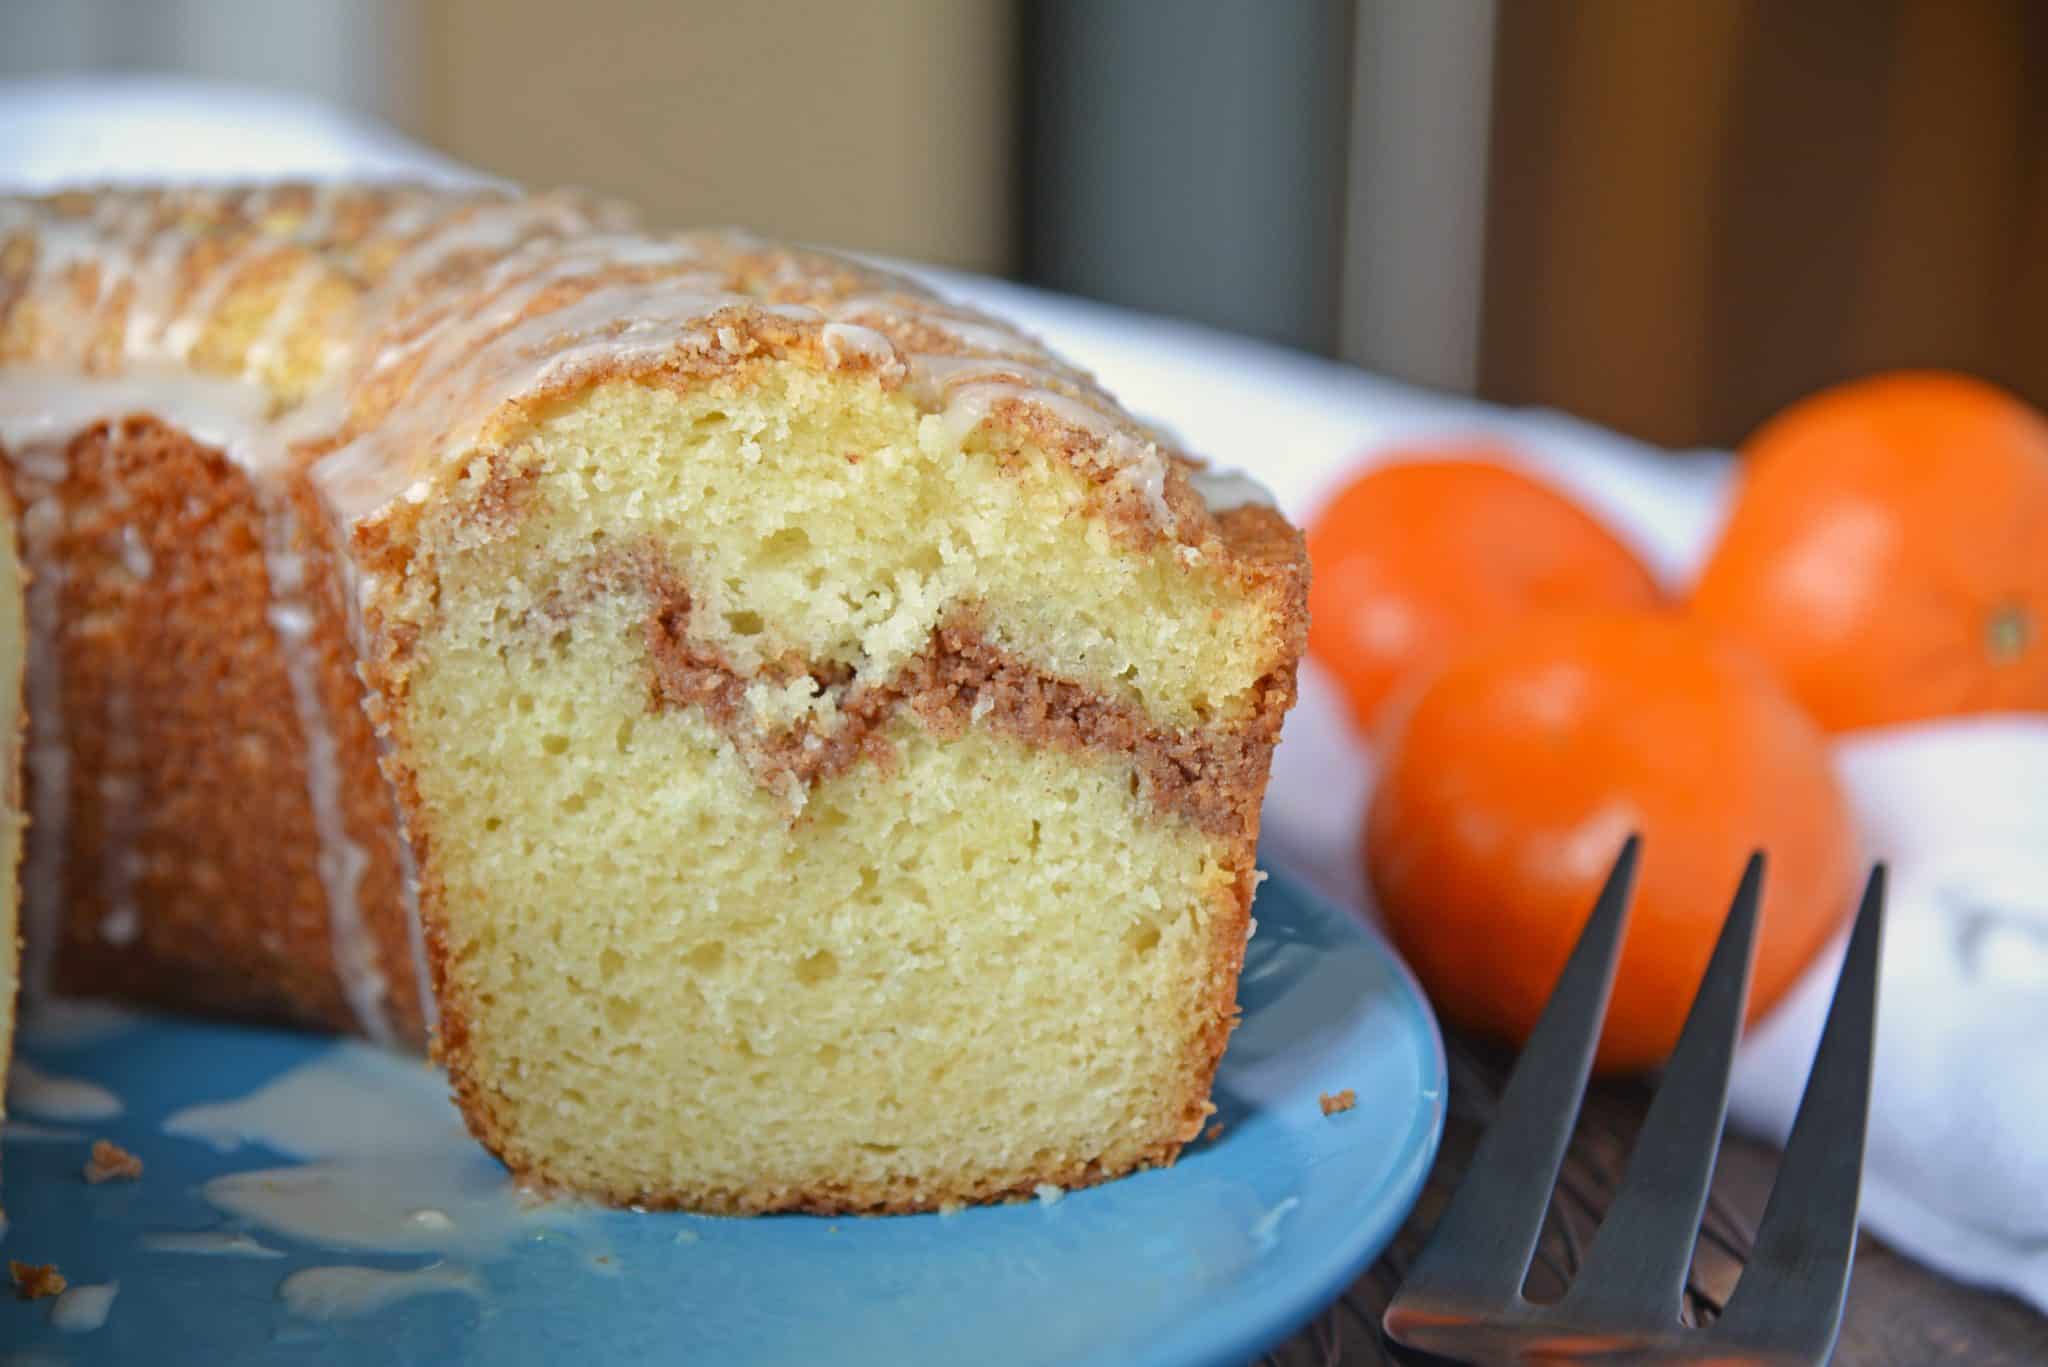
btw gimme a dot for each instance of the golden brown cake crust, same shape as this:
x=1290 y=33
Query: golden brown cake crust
x=182 y=730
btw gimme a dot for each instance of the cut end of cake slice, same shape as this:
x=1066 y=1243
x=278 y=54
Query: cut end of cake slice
x=823 y=803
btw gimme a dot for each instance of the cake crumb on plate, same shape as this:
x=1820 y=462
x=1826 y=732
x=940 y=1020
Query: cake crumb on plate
x=33 y=1281
x=1333 y=1102
x=111 y=1163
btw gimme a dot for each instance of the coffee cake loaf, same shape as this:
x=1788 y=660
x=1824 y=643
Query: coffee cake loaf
x=791 y=742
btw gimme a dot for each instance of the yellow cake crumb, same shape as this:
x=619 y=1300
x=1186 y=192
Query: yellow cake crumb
x=34 y=1281
x=111 y=1163
x=1333 y=1102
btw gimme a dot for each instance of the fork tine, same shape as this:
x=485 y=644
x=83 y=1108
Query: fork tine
x=1807 y=1239
x=1481 y=1246
x=1635 y=1273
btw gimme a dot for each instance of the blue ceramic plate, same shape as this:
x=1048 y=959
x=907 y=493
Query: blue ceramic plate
x=1210 y=1261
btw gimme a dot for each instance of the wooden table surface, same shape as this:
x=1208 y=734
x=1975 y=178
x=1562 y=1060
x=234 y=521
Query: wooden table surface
x=1898 y=1312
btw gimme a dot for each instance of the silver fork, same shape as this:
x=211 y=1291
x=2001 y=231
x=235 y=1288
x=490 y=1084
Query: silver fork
x=1463 y=1298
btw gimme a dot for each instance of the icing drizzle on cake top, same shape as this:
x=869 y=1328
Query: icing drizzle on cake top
x=461 y=304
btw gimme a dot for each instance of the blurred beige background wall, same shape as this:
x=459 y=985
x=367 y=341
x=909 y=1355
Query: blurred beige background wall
x=883 y=124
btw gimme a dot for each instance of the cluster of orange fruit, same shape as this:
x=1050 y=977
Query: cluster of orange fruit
x=1534 y=695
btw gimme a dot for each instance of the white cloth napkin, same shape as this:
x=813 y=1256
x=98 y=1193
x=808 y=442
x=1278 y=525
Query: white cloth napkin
x=1958 y=1164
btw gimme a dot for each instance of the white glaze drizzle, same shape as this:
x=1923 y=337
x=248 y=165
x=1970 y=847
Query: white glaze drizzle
x=1223 y=490
x=105 y=241
x=135 y=556
x=510 y=287
x=340 y=861
x=344 y=1292
x=486 y=354
x=184 y=331
x=267 y=350
x=968 y=330
x=389 y=1166
x=848 y=342
x=1265 y=1230
x=966 y=390
x=386 y=1203
x=210 y=1243
x=29 y=1132
x=82 y=1309
x=31 y=1089
x=48 y=407
x=317 y=226
x=610 y=325
x=155 y=285
x=349 y=1100
x=121 y=819
x=487 y=225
